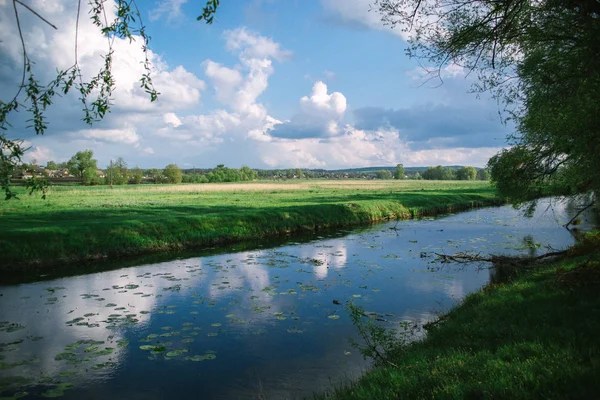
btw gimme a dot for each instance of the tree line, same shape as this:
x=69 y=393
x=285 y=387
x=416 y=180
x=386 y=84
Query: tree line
x=83 y=167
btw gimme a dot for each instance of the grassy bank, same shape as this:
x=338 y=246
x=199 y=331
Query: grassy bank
x=87 y=223
x=533 y=337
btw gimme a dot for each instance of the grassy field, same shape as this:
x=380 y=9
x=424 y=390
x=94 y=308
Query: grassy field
x=535 y=337
x=87 y=223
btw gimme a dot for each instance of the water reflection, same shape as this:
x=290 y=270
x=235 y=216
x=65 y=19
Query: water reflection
x=254 y=322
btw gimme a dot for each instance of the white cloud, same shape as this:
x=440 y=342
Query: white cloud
x=170 y=8
x=353 y=147
x=39 y=154
x=253 y=45
x=240 y=92
x=124 y=136
x=224 y=80
x=319 y=115
x=454 y=156
x=148 y=150
x=172 y=119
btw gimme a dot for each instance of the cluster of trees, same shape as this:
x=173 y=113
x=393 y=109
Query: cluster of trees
x=387 y=174
x=455 y=174
x=83 y=166
x=170 y=174
x=223 y=174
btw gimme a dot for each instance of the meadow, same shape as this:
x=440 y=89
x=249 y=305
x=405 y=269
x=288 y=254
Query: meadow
x=75 y=224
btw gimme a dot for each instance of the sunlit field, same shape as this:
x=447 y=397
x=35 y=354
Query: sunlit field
x=82 y=223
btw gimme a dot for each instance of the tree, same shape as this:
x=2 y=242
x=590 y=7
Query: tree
x=35 y=97
x=448 y=174
x=540 y=60
x=399 y=173
x=483 y=174
x=156 y=175
x=51 y=165
x=137 y=175
x=83 y=166
x=384 y=174
x=434 y=173
x=248 y=174
x=466 y=174
x=172 y=173
x=117 y=172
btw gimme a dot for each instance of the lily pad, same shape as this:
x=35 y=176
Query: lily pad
x=57 y=391
x=208 y=356
x=8 y=327
x=176 y=353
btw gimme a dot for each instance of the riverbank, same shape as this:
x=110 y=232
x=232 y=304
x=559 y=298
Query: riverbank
x=81 y=224
x=535 y=336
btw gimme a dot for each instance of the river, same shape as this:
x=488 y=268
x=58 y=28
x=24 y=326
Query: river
x=260 y=323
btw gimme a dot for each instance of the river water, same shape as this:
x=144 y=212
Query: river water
x=251 y=324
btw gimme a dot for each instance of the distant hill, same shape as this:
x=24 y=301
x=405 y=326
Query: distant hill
x=408 y=170
x=375 y=169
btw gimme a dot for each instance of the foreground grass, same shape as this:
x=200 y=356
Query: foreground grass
x=87 y=223
x=534 y=337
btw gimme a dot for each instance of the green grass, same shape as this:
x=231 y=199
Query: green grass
x=536 y=337
x=87 y=223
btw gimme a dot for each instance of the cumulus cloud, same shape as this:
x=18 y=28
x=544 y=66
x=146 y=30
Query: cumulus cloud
x=239 y=87
x=319 y=115
x=171 y=119
x=39 y=154
x=353 y=147
x=124 y=136
x=225 y=81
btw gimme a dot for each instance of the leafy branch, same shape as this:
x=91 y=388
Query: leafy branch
x=95 y=94
x=378 y=342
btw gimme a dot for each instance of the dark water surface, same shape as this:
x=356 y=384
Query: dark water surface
x=251 y=324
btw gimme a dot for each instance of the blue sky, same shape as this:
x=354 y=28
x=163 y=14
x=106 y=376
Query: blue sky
x=270 y=84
